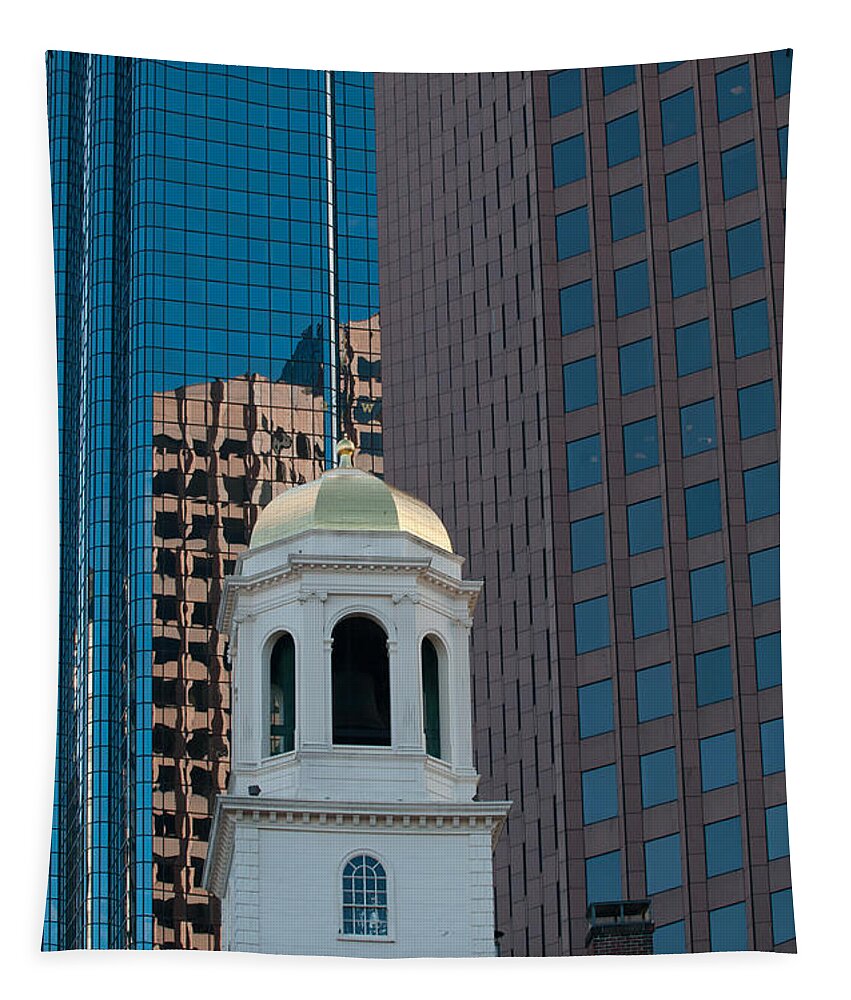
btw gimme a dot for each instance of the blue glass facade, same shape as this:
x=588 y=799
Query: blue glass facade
x=211 y=223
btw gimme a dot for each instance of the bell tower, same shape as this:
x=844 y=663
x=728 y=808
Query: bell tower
x=350 y=824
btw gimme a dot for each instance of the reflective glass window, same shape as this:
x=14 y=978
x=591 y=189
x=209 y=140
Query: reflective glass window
x=783 y=148
x=622 y=139
x=688 y=269
x=782 y=916
x=569 y=160
x=750 y=328
x=694 y=347
x=703 y=509
x=596 y=712
x=617 y=77
x=762 y=491
x=591 y=624
x=733 y=91
x=714 y=676
x=744 y=248
x=583 y=462
x=697 y=425
x=641 y=445
x=658 y=777
x=756 y=409
x=632 y=292
x=718 y=764
x=577 y=307
x=636 y=365
x=728 y=928
x=588 y=543
x=723 y=846
x=627 y=213
x=663 y=67
x=768 y=660
x=771 y=741
x=765 y=575
x=580 y=384
x=644 y=521
x=777 y=831
x=677 y=116
x=662 y=864
x=649 y=608
x=565 y=91
x=603 y=878
x=708 y=591
x=599 y=794
x=738 y=169
x=781 y=65
x=572 y=233
x=654 y=692
x=670 y=939
x=682 y=192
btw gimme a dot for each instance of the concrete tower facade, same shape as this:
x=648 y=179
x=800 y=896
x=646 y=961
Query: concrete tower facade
x=350 y=825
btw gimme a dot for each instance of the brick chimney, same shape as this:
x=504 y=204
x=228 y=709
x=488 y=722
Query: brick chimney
x=620 y=927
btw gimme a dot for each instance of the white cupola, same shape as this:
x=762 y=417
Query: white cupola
x=350 y=825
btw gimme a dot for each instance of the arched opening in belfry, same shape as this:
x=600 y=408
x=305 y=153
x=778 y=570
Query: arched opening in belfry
x=431 y=697
x=360 y=683
x=282 y=696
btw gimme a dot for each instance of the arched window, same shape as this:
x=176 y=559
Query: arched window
x=364 y=897
x=431 y=698
x=282 y=696
x=360 y=683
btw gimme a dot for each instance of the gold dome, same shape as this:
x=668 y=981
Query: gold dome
x=347 y=499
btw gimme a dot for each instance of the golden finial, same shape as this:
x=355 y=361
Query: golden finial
x=344 y=451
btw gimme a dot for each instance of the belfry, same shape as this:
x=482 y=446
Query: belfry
x=350 y=825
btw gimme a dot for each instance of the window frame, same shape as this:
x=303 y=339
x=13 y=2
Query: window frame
x=390 y=907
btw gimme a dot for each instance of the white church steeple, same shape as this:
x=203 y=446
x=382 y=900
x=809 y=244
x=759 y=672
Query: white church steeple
x=349 y=826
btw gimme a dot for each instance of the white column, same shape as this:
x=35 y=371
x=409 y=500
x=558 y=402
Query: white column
x=461 y=721
x=405 y=684
x=313 y=675
x=248 y=679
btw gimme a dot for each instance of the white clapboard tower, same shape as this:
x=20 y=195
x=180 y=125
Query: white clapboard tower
x=350 y=824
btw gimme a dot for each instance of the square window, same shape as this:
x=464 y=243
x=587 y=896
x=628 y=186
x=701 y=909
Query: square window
x=738 y=169
x=649 y=609
x=762 y=491
x=744 y=249
x=569 y=160
x=632 y=292
x=627 y=211
x=714 y=677
x=603 y=878
x=665 y=66
x=583 y=462
x=750 y=328
x=682 y=192
x=617 y=77
x=768 y=661
x=708 y=592
x=622 y=139
x=694 y=347
x=658 y=777
x=596 y=714
x=565 y=91
x=599 y=794
x=640 y=445
x=781 y=64
x=654 y=692
x=580 y=384
x=636 y=366
x=662 y=864
x=756 y=409
x=572 y=233
x=728 y=928
x=783 y=148
x=688 y=269
x=697 y=426
x=718 y=766
x=588 y=543
x=773 y=752
x=677 y=116
x=644 y=521
x=591 y=624
x=777 y=832
x=765 y=575
x=723 y=846
x=577 y=307
x=782 y=916
x=703 y=509
x=733 y=91
x=670 y=939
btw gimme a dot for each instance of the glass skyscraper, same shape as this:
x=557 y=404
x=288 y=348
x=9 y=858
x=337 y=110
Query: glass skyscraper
x=215 y=255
